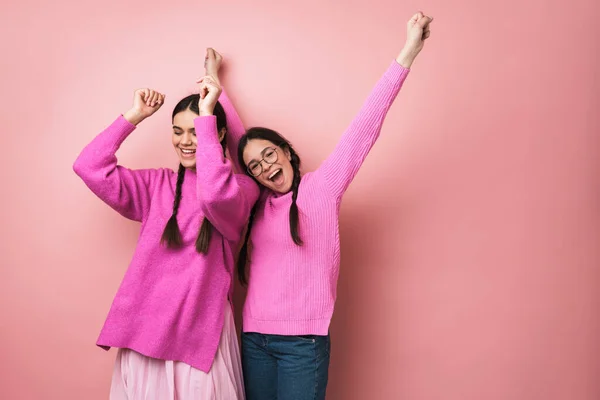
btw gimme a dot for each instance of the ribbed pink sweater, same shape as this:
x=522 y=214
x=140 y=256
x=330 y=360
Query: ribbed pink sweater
x=292 y=289
x=170 y=303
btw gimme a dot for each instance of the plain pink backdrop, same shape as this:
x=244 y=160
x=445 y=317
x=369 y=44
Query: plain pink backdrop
x=470 y=262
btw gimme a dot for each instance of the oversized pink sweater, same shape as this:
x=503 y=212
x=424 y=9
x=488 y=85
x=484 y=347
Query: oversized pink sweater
x=292 y=289
x=170 y=303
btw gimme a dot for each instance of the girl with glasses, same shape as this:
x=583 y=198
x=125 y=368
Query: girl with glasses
x=292 y=247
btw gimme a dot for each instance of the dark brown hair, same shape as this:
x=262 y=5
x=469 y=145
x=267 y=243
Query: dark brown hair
x=171 y=236
x=281 y=142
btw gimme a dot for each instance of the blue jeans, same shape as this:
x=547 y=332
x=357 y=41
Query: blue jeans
x=285 y=367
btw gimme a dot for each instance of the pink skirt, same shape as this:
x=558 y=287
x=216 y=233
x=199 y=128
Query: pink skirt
x=137 y=377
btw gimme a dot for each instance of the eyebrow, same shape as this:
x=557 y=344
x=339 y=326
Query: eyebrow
x=262 y=153
x=181 y=129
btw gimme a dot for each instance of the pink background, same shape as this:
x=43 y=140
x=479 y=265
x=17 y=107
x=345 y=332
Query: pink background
x=469 y=239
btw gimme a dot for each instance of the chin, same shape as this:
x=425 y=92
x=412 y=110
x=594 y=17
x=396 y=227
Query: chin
x=282 y=190
x=188 y=164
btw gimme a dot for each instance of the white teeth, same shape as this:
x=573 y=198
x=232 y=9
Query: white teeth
x=188 y=151
x=273 y=174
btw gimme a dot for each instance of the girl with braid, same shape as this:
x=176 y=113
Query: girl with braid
x=292 y=246
x=171 y=317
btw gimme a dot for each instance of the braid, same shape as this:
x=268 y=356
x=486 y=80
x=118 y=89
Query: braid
x=243 y=254
x=278 y=140
x=203 y=239
x=172 y=235
x=294 y=207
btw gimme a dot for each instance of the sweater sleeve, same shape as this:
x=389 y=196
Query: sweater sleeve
x=225 y=198
x=340 y=168
x=126 y=191
x=235 y=131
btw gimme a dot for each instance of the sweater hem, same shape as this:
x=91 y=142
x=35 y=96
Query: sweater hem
x=278 y=327
x=203 y=364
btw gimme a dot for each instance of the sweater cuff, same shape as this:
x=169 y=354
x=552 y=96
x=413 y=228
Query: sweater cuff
x=396 y=71
x=207 y=136
x=122 y=127
x=206 y=130
x=123 y=124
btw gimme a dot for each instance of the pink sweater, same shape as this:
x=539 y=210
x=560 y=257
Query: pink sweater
x=170 y=303
x=292 y=289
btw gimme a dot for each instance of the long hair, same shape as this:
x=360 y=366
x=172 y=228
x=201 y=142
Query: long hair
x=284 y=144
x=171 y=236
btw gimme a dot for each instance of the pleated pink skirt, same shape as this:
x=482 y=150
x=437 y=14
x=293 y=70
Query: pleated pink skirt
x=137 y=377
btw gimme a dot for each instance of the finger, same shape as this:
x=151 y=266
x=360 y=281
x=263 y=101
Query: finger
x=161 y=101
x=203 y=90
x=212 y=87
x=424 y=22
x=426 y=35
x=209 y=88
x=155 y=99
x=144 y=93
x=149 y=96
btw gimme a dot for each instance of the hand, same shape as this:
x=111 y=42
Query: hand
x=210 y=90
x=212 y=63
x=417 y=31
x=145 y=103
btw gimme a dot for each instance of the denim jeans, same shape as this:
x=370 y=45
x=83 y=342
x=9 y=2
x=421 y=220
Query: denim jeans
x=285 y=367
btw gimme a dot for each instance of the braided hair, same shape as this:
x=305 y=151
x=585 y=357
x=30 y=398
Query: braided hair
x=281 y=142
x=171 y=236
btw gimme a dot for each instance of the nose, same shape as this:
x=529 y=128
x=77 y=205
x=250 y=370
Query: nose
x=186 y=140
x=266 y=167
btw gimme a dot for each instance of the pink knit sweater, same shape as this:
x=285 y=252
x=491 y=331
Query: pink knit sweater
x=292 y=289
x=170 y=303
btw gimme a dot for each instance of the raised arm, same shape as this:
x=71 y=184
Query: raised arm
x=225 y=197
x=126 y=191
x=342 y=165
x=235 y=127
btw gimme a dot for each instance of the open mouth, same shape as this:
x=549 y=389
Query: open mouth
x=276 y=176
x=188 y=152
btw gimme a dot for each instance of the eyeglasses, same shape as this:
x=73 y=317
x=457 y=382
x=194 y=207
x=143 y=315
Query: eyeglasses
x=269 y=156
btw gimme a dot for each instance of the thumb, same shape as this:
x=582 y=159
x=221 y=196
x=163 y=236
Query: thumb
x=413 y=20
x=142 y=94
x=210 y=53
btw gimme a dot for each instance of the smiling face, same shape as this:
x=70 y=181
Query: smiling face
x=269 y=164
x=184 y=137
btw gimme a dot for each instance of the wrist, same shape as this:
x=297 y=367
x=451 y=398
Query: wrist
x=133 y=116
x=204 y=112
x=407 y=56
x=213 y=72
